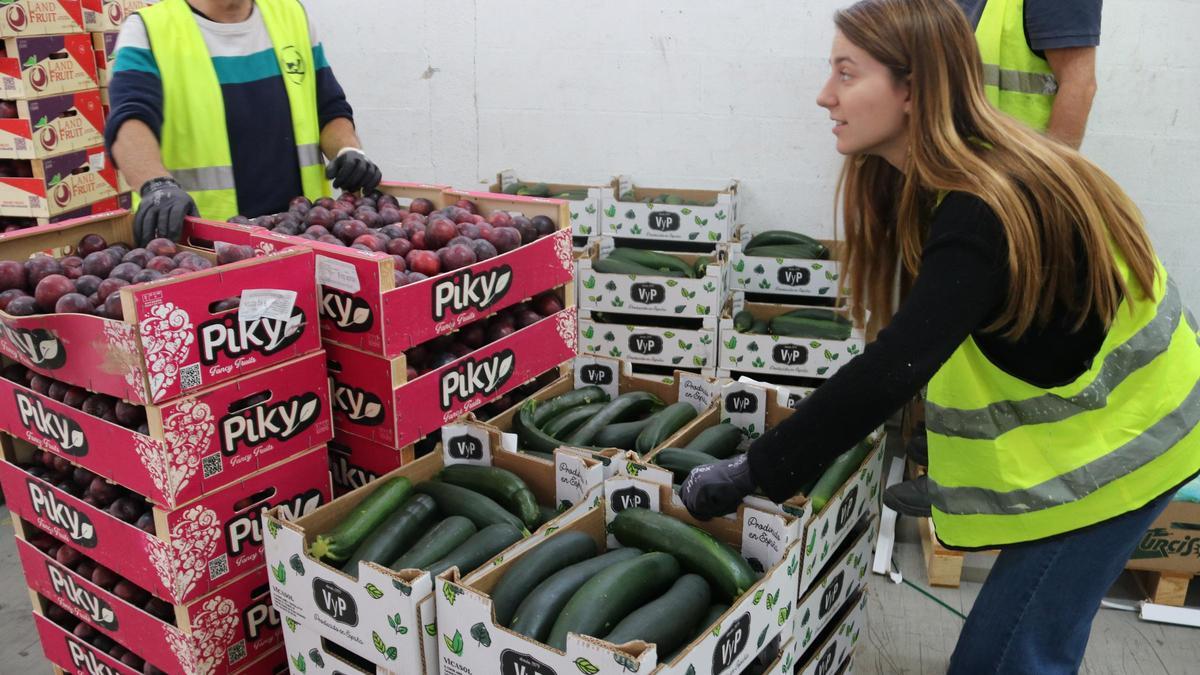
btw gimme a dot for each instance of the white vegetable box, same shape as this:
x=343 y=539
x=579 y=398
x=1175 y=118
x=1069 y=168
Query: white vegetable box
x=838 y=642
x=822 y=603
x=655 y=295
x=781 y=355
x=651 y=345
x=661 y=214
x=781 y=276
x=583 y=201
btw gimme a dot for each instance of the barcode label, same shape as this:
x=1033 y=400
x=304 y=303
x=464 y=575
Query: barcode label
x=218 y=567
x=211 y=465
x=189 y=377
x=237 y=652
x=19 y=144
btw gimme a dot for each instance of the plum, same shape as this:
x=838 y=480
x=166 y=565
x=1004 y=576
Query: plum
x=330 y=239
x=110 y=286
x=467 y=206
x=424 y=262
x=10 y=295
x=125 y=270
x=40 y=383
x=133 y=660
x=547 y=303
x=90 y=243
x=84 y=631
x=161 y=246
x=76 y=396
x=231 y=253
x=73 y=303
x=147 y=275
x=417 y=239
x=371 y=241
x=105 y=578
x=528 y=231
x=369 y=217
x=82 y=477
x=500 y=219
x=324 y=202
x=497 y=330
x=239 y=220
x=316 y=231
x=119 y=250
x=88 y=284
x=129 y=415
x=414 y=277
x=471 y=335
x=161 y=263
x=543 y=225
x=459 y=241
x=300 y=202
x=160 y=609
x=341 y=212
x=457 y=256
x=98 y=405
x=421 y=205
x=226 y=304
x=393 y=231
x=389 y=215
x=8 y=110
x=469 y=231
x=196 y=263
x=14 y=372
x=399 y=278
x=459 y=215
x=399 y=263
x=69 y=557
x=505 y=239
x=12 y=275
x=483 y=249
x=72 y=267
x=103 y=491
x=126 y=509
x=439 y=232
x=130 y=592
x=99 y=263
x=362 y=247
x=459 y=350
x=58 y=390
x=396 y=246
x=138 y=256
x=39 y=267
x=527 y=318
x=145 y=522
x=349 y=230
x=50 y=289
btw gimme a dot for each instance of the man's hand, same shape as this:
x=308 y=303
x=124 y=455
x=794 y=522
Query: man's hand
x=351 y=171
x=163 y=208
x=716 y=489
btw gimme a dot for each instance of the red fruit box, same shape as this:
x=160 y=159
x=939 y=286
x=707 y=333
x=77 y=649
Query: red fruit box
x=217 y=633
x=197 y=548
x=362 y=308
x=171 y=340
x=196 y=444
x=52 y=125
x=41 y=17
x=58 y=184
x=355 y=461
x=47 y=64
x=102 y=15
x=105 y=44
x=372 y=396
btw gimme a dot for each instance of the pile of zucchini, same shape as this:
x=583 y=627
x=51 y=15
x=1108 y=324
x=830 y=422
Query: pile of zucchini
x=463 y=518
x=805 y=322
x=586 y=418
x=637 y=261
x=785 y=244
x=666 y=198
x=667 y=584
x=543 y=190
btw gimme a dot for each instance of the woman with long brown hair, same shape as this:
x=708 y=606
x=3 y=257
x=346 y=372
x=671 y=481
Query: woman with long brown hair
x=1063 y=370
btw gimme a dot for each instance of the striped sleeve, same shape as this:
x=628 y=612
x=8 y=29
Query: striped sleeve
x=135 y=92
x=331 y=99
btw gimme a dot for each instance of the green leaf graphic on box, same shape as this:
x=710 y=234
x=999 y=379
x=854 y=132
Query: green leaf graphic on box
x=611 y=285
x=676 y=360
x=668 y=334
x=709 y=287
x=633 y=469
x=758 y=362
x=41 y=123
x=379 y=644
x=595 y=298
x=772 y=599
x=759 y=269
x=574 y=215
x=793 y=565
x=30 y=62
x=685 y=211
x=679 y=309
x=391 y=654
x=481 y=635
x=431 y=629
x=814 y=345
x=714 y=236
x=705 y=339
x=822 y=370
x=816 y=266
x=588 y=332
x=55 y=180
x=852 y=350
x=585 y=229
x=630 y=214
x=316 y=658
x=829 y=276
x=702 y=310
x=589 y=283
x=752 y=346
x=823 y=291
x=716 y=630
x=273 y=528
x=830 y=355
x=720 y=215
x=298 y=662
x=784 y=613
x=764 y=284
x=454 y=644
x=699 y=361
x=731 y=343
x=291 y=624
x=609 y=337
x=611 y=211
x=617 y=302
x=450 y=591
x=374 y=592
x=762 y=637
x=671 y=283
x=693 y=236
x=591 y=208
x=279 y=573
x=739 y=265
x=614 y=352
x=757 y=596
x=691 y=670
x=700 y=221
x=626 y=662
x=586 y=666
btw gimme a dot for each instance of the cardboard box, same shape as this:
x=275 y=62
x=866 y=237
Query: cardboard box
x=373 y=397
x=197 y=444
x=781 y=276
x=837 y=644
x=584 y=212
x=778 y=355
x=362 y=308
x=171 y=341
x=196 y=548
x=1172 y=544
x=836 y=587
x=307 y=652
x=217 y=633
x=355 y=461
x=59 y=184
x=47 y=64
x=762 y=613
x=651 y=345
x=118 y=203
x=666 y=222
x=105 y=45
x=39 y=17
x=389 y=618
x=108 y=15
x=52 y=125
x=651 y=294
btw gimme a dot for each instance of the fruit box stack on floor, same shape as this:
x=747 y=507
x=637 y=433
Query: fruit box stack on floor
x=433 y=302
x=652 y=285
x=155 y=402
x=52 y=162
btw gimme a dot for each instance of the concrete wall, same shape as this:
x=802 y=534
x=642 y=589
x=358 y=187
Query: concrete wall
x=690 y=93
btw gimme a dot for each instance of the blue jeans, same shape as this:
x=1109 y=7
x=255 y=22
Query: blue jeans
x=1034 y=614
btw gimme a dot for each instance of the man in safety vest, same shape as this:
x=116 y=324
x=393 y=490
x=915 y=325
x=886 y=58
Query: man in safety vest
x=227 y=107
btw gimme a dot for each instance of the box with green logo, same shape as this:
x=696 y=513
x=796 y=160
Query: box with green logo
x=699 y=218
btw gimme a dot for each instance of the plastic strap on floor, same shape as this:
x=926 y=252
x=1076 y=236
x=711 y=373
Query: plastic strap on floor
x=1180 y=616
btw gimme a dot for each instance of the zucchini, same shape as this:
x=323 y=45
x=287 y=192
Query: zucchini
x=782 y=238
x=626 y=404
x=838 y=473
x=339 y=543
x=664 y=423
x=501 y=485
x=789 y=251
x=459 y=501
x=700 y=267
x=660 y=263
x=621 y=435
x=537 y=612
x=530 y=436
x=480 y=548
x=720 y=440
x=547 y=456
x=443 y=538
x=532 y=568
x=403 y=527
x=569 y=420
x=546 y=514
x=760 y=327
x=617 y=266
x=821 y=329
x=743 y=321
x=544 y=411
x=612 y=594
x=681 y=461
x=698 y=551
x=670 y=621
x=712 y=615
x=819 y=313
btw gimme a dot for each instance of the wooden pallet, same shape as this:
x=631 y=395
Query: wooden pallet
x=1164 y=588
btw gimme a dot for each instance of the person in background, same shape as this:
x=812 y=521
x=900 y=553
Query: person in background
x=225 y=107
x=1063 y=369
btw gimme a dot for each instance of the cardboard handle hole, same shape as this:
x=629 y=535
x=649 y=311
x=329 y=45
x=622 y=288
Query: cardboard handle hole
x=225 y=305
x=250 y=401
x=333 y=366
x=348 y=657
x=258 y=499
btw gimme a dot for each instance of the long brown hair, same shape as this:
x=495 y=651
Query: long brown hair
x=1043 y=192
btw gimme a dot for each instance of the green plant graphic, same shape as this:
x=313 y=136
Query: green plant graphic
x=481 y=635
x=454 y=644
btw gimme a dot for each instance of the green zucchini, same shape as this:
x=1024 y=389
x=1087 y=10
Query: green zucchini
x=712 y=615
x=544 y=411
x=621 y=435
x=617 y=266
x=789 y=251
x=532 y=568
x=569 y=420
x=782 y=238
x=480 y=548
x=664 y=423
x=760 y=327
x=670 y=621
x=820 y=329
x=529 y=435
x=546 y=514
x=537 y=612
x=720 y=440
x=547 y=456
x=403 y=527
x=459 y=501
x=838 y=473
x=625 y=404
x=339 y=543
x=612 y=594
x=437 y=542
x=700 y=267
x=698 y=551
x=501 y=485
x=819 y=313
x=660 y=263
x=743 y=321
x=681 y=461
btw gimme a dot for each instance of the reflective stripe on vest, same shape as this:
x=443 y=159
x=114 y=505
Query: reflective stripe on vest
x=1012 y=462
x=194 y=138
x=1016 y=79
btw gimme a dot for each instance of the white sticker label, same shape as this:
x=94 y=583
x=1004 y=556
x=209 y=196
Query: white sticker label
x=598 y=371
x=466 y=444
x=508 y=441
x=624 y=184
x=337 y=274
x=765 y=537
x=745 y=406
x=508 y=177
x=696 y=390
x=96 y=162
x=574 y=479
x=269 y=303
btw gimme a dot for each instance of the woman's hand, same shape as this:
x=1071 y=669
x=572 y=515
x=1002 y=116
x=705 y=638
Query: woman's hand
x=716 y=489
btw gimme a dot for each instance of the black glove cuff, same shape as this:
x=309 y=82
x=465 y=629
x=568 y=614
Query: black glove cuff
x=156 y=183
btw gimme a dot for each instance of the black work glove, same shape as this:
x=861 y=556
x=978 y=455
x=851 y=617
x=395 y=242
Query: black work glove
x=351 y=171
x=717 y=489
x=163 y=208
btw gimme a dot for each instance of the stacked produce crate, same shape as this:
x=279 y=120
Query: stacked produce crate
x=584 y=202
x=52 y=162
x=652 y=287
x=156 y=402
